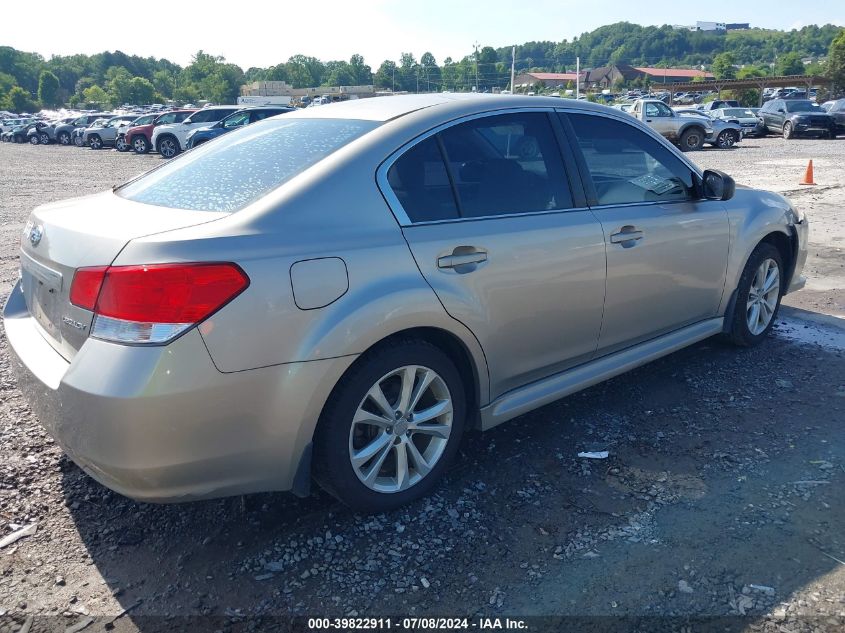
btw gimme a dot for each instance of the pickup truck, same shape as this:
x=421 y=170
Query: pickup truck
x=688 y=133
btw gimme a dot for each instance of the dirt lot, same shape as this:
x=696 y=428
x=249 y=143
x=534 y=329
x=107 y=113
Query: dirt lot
x=723 y=494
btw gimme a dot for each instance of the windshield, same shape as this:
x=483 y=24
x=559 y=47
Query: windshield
x=801 y=106
x=244 y=165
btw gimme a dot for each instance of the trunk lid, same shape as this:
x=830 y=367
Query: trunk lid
x=62 y=236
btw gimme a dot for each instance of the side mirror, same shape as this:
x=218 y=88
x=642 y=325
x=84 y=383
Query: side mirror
x=717 y=185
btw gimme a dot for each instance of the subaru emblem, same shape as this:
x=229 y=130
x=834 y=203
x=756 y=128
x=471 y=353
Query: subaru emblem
x=35 y=234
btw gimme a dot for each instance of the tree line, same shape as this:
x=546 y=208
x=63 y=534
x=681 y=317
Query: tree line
x=28 y=81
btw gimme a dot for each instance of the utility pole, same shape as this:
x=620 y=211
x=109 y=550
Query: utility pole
x=394 y=77
x=577 y=77
x=513 y=67
x=476 y=66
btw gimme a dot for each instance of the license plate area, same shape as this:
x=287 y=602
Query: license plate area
x=42 y=289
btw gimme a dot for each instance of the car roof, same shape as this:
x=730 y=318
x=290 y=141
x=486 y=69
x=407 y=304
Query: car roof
x=392 y=107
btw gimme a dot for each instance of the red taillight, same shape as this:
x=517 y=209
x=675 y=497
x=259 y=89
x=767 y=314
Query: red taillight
x=168 y=293
x=86 y=286
x=155 y=302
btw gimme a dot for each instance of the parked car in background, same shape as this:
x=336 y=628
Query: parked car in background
x=7 y=125
x=139 y=137
x=289 y=344
x=235 y=120
x=717 y=104
x=36 y=134
x=120 y=143
x=169 y=140
x=689 y=133
x=724 y=134
x=65 y=133
x=796 y=117
x=103 y=135
x=18 y=133
x=48 y=133
x=744 y=117
x=837 y=111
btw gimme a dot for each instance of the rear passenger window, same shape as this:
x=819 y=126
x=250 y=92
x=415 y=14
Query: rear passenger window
x=421 y=184
x=627 y=165
x=496 y=165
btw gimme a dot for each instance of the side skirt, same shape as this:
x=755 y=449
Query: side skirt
x=542 y=392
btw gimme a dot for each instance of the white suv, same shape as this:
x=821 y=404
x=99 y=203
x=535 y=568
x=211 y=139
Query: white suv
x=169 y=140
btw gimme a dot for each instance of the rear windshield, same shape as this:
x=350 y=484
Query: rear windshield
x=244 y=165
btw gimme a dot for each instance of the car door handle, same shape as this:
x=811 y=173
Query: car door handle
x=461 y=257
x=626 y=236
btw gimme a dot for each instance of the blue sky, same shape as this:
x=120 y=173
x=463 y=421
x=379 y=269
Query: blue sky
x=265 y=33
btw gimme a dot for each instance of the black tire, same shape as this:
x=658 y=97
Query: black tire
x=44 y=138
x=64 y=138
x=739 y=332
x=692 y=139
x=168 y=146
x=33 y=140
x=788 y=132
x=332 y=466
x=95 y=142
x=17 y=138
x=140 y=144
x=120 y=144
x=726 y=139
x=79 y=141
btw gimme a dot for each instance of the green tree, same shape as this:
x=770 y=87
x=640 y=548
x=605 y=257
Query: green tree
x=431 y=72
x=789 y=64
x=723 y=66
x=362 y=74
x=164 y=82
x=141 y=90
x=48 y=89
x=385 y=74
x=20 y=100
x=95 y=96
x=6 y=83
x=835 y=67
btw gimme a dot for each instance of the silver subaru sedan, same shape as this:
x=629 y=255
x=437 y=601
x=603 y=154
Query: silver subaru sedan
x=339 y=293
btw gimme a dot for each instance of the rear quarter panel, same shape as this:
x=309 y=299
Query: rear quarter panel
x=332 y=210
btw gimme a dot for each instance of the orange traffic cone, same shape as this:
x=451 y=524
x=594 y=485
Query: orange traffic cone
x=808 y=175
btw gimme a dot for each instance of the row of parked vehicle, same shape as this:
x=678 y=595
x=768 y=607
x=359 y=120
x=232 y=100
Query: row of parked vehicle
x=167 y=133
x=723 y=124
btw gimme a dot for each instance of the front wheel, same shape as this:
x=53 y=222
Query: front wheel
x=391 y=427
x=692 y=140
x=758 y=296
x=44 y=138
x=788 y=132
x=64 y=138
x=95 y=142
x=726 y=139
x=168 y=147
x=33 y=140
x=120 y=144
x=140 y=145
x=79 y=141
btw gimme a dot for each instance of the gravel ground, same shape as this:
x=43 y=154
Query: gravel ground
x=722 y=496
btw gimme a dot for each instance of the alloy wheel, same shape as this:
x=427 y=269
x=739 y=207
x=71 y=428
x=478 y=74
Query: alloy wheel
x=167 y=148
x=726 y=140
x=64 y=138
x=763 y=296
x=43 y=138
x=400 y=429
x=139 y=144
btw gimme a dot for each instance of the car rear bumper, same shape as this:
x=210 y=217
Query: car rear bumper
x=161 y=423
